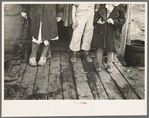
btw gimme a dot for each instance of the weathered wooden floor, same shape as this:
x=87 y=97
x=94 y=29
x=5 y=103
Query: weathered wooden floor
x=60 y=79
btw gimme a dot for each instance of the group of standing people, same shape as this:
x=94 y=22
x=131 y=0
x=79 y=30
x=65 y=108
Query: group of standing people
x=88 y=24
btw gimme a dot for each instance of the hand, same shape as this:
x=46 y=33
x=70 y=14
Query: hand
x=75 y=24
x=110 y=21
x=24 y=15
x=58 y=19
x=100 y=22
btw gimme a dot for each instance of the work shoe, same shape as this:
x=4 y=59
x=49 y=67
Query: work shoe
x=73 y=58
x=32 y=61
x=87 y=58
x=110 y=69
x=42 y=61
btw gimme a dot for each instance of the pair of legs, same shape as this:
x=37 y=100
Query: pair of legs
x=83 y=31
x=42 y=61
x=100 y=58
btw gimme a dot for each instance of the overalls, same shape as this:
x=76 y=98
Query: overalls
x=84 y=30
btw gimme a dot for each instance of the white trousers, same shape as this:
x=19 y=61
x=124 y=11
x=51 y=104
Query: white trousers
x=84 y=31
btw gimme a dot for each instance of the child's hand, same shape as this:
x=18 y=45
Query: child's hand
x=75 y=24
x=100 y=22
x=110 y=21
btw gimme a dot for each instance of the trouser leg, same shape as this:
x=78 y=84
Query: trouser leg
x=32 y=59
x=77 y=34
x=88 y=32
x=45 y=50
x=43 y=58
x=99 y=56
x=109 y=61
x=35 y=47
x=49 y=52
x=109 y=58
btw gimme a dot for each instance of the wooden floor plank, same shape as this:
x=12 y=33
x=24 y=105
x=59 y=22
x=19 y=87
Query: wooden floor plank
x=68 y=81
x=83 y=89
x=41 y=84
x=100 y=89
x=109 y=85
x=93 y=81
x=135 y=84
x=28 y=80
x=55 y=87
x=124 y=87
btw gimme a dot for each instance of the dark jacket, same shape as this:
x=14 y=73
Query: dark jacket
x=46 y=13
x=107 y=35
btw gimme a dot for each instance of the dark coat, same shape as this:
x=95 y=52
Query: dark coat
x=46 y=13
x=66 y=15
x=107 y=35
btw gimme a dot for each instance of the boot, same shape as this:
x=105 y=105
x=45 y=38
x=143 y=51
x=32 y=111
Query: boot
x=109 y=62
x=87 y=58
x=32 y=59
x=99 y=59
x=43 y=59
x=74 y=57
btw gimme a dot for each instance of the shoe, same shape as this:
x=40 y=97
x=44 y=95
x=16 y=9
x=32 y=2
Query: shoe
x=42 y=61
x=98 y=69
x=32 y=61
x=110 y=69
x=87 y=58
x=73 y=58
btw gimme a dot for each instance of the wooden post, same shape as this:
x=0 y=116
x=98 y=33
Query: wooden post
x=129 y=34
x=124 y=37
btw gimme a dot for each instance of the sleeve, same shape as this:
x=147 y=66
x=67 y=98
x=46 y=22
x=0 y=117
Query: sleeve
x=119 y=22
x=96 y=18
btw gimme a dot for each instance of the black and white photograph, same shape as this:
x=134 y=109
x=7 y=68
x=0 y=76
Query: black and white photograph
x=74 y=53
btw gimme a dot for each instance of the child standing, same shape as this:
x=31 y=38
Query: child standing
x=82 y=18
x=108 y=22
x=43 y=29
